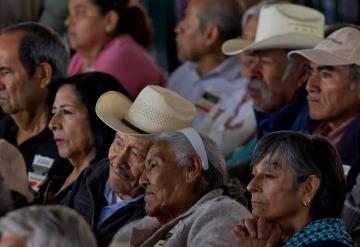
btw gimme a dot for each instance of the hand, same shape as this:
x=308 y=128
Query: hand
x=257 y=232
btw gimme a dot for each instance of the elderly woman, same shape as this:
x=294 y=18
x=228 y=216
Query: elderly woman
x=52 y=226
x=80 y=136
x=186 y=197
x=112 y=36
x=298 y=186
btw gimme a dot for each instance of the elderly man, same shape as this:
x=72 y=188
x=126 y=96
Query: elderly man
x=185 y=200
x=30 y=57
x=207 y=75
x=334 y=93
x=108 y=194
x=277 y=84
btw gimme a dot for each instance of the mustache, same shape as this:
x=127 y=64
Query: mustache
x=125 y=173
x=259 y=86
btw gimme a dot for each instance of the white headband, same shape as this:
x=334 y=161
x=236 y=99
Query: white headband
x=194 y=138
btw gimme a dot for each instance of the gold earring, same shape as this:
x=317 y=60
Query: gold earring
x=306 y=202
x=108 y=29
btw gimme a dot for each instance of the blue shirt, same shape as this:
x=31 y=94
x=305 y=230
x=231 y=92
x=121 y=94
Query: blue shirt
x=113 y=204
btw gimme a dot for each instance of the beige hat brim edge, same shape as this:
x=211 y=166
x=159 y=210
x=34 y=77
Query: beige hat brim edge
x=111 y=108
x=287 y=41
x=320 y=57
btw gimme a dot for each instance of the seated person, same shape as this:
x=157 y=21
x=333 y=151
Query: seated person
x=298 y=185
x=333 y=87
x=45 y=227
x=108 y=194
x=80 y=136
x=187 y=199
x=113 y=36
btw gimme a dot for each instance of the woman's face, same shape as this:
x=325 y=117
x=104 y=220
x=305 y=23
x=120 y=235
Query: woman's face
x=70 y=125
x=86 y=26
x=274 y=195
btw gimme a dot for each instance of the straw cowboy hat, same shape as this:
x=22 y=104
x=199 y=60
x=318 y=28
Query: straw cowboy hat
x=13 y=169
x=340 y=48
x=282 y=26
x=155 y=110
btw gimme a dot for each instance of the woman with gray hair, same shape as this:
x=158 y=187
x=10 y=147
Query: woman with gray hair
x=298 y=186
x=186 y=195
x=52 y=226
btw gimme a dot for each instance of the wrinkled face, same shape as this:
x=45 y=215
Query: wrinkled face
x=127 y=161
x=8 y=239
x=266 y=88
x=18 y=92
x=70 y=125
x=330 y=95
x=190 y=42
x=273 y=193
x=86 y=25
x=164 y=181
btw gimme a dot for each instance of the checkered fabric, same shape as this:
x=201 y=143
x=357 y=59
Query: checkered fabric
x=322 y=232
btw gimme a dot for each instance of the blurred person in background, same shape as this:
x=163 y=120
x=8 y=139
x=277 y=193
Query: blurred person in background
x=113 y=36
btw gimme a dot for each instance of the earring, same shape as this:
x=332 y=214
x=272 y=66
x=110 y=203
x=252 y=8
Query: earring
x=306 y=202
x=108 y=29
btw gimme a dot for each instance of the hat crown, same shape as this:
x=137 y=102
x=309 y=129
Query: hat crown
x=285 y=19
x=157 y=109
x=343 y=43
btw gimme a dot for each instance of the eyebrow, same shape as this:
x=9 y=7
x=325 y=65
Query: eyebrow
x=326 y=67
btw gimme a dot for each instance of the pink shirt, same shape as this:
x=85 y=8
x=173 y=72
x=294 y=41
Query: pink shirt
x=127 y=61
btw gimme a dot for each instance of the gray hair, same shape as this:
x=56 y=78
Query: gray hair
x=40 y=45
x=51 y=226
x=354 y=76
x=225 y=14
x=216 y=176
x=306 y=155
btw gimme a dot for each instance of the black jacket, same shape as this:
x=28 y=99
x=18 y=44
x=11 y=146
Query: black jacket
x=87 y=198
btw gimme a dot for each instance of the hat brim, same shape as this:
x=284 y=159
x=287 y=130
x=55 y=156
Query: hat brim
x=320 y=57
x=288 y=41
x=111 y=108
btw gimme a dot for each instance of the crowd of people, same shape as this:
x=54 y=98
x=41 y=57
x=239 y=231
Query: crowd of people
x=252 y=141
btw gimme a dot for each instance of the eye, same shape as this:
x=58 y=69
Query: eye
x=325 y=74
x=4 y=72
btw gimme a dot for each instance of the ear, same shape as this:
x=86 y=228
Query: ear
x=193 y=170
x=211 y=35
x=111 y=21
x=312 y=185
x=44 y=73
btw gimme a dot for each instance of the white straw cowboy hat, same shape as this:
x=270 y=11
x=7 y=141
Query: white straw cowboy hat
x=282 y=26
x=155 y=110
x=339 y=48
x=13 y=169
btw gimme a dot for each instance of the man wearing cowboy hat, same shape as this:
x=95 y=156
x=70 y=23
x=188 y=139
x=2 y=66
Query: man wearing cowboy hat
x=277 y=84
x=334 y=100
x=108 y=194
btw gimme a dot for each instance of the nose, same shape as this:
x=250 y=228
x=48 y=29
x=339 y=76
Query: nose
x=144 y=181
x=253 y=185
x=312 y=84
x=54 y=122
x=255 y=69
x=68 y=21
x=179 y=27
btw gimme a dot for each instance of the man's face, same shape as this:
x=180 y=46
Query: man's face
x=266 y=88
x=127 y=161
x=17 y=90
x=190 y=42
x=330 y=95
x=166 y=189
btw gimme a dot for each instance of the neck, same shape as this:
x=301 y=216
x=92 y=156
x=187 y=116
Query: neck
x=209 y=62
x=83 y=159
x=91 y=54
x=294 y=225
x=30 y=123
x=333 y=124
x=176 y=210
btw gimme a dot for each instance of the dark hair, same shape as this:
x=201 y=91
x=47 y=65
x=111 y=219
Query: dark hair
x=306 y=155
x=90 y=86
x=133 y=19
x=40 y=45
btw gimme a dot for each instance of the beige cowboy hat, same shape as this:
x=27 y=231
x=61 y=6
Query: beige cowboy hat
x=13 y=169
x=282 y=26
x=155 y=110
x=342 y=47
